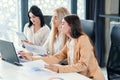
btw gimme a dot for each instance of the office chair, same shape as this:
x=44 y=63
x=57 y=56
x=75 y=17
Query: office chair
x=47 y=20
x=87 y=25
x=88 y=28
x=113 y=64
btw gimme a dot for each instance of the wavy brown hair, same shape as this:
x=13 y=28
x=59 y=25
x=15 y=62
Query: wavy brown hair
x=75 y=24
x=76 y=28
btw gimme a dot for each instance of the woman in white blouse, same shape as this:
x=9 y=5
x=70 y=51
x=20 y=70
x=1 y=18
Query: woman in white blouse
x=36 y=31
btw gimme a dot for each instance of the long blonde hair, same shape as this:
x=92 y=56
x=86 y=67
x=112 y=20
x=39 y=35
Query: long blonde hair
x=61 y=12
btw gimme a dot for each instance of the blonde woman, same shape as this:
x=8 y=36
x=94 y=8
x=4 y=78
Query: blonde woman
x=56 y=39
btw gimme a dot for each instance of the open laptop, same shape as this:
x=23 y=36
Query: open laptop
x=8 y=53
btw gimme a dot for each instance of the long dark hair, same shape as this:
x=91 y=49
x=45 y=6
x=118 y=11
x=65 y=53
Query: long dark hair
x=75 y=24
x=37 y=12
x=76 y=28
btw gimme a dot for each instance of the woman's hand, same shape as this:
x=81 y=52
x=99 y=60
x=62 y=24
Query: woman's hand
x=26 y=55
x=26 y=42
x=52 y=67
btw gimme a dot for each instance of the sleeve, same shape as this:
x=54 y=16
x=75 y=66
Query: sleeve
x=85 y=50
x=45 y=33
x=61 y=55
x=46 y=44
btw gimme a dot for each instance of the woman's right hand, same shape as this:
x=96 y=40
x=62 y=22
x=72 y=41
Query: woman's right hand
x=26 y=55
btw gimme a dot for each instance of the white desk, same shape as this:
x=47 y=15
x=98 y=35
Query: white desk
x=12 y=72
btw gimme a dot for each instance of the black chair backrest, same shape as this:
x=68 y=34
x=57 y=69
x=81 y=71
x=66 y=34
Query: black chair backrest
x=47 y=20
x=88 y=28
x=113 y=64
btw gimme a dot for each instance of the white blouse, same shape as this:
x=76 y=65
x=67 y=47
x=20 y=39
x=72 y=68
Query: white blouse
x=58 y=43
x=71 y=51
x=39 y=37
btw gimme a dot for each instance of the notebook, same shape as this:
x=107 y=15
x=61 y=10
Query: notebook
x=8 y=53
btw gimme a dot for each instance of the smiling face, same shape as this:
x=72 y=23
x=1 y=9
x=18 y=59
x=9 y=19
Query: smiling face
x=66 y=29
x=34 y=19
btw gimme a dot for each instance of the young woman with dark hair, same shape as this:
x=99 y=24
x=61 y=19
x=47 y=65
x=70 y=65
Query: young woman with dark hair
x=35 y=30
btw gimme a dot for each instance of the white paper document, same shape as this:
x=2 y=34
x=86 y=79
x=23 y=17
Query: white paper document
x=37 y=49
x=36 y=63
x=36 y=69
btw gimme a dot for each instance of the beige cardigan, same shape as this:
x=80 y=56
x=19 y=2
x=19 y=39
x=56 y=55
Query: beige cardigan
x=84 y=60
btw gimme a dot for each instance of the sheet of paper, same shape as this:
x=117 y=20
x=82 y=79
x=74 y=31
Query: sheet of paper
x=36 y=63
x=36 y=69
x=37 y=49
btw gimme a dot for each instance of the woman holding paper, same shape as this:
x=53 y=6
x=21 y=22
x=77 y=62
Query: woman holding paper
x=36 y=31
x=79 y=51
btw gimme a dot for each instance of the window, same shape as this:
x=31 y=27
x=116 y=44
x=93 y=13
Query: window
x=9 y=14
x=81 y=8
x=9 y=18
x=48 y=5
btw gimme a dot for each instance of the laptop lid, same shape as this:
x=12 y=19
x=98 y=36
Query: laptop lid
x=8 y=52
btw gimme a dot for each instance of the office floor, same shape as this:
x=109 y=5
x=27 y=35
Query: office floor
x=105 y=73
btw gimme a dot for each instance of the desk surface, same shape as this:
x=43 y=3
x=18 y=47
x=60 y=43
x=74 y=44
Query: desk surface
x=12 y=72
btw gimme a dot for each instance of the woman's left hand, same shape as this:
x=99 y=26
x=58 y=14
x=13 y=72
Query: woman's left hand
x=52 y=67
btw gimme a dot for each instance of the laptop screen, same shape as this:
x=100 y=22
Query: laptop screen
x=8 y=52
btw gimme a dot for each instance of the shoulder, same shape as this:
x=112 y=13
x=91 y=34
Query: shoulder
x=83 y=37
x=45 y=28
x=84 y=40
x=26 y=26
